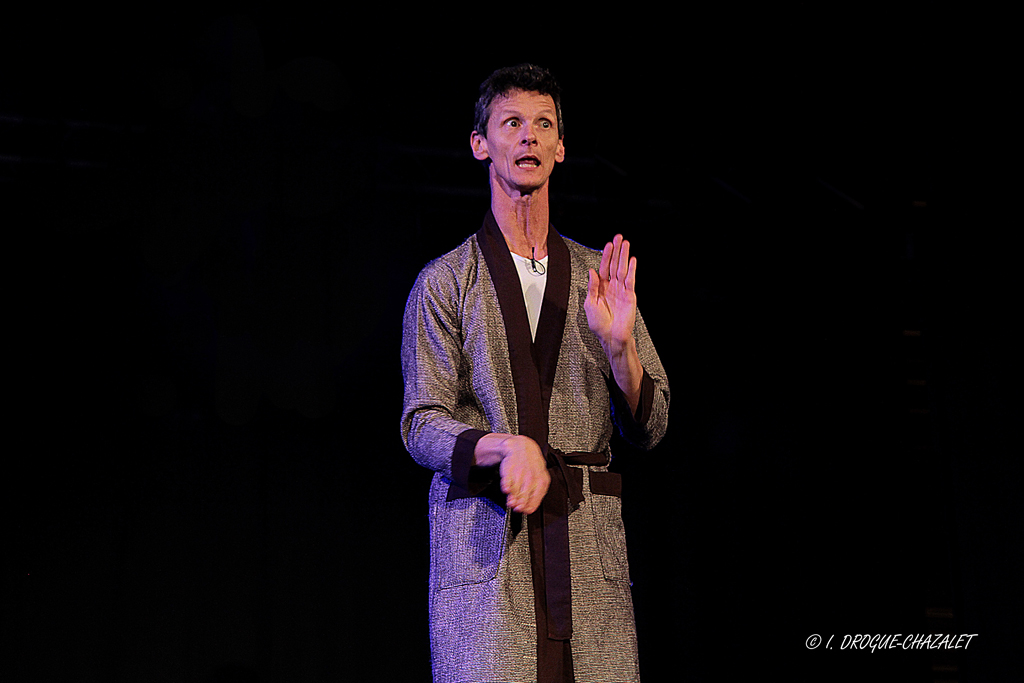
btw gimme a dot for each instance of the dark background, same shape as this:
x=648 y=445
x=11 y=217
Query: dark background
x=213 y=220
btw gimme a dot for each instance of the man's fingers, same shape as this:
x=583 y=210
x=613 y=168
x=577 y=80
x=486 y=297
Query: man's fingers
x=623 y=263
x=615 y=260
x=526 y=488
x=510 y=485
x=514 y=489
x=606 y=262
x=539 y=489
x=613 y=266
x=531 y=500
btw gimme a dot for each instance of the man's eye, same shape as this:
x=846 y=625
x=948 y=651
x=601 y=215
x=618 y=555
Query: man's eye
x=513 y=123
x=545 y=124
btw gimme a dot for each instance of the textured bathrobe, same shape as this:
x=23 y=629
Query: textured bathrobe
x=508 y=591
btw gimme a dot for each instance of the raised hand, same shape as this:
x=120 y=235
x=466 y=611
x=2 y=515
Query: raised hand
x=611 y=297
x=611 y=314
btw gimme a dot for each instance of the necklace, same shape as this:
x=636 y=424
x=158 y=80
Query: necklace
x=536 y=267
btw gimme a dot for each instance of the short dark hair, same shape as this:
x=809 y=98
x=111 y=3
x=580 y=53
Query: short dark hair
x=525 y=77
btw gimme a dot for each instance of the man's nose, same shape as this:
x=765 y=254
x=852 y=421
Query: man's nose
x=529 y=134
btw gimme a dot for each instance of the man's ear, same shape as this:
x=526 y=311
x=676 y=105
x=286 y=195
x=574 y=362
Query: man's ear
x=478 y=143
x=560 y=151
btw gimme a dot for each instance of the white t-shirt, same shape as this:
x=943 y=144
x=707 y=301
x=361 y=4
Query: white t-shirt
x=533 y=283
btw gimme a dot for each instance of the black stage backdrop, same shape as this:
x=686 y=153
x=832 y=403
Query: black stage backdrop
x=213 y=220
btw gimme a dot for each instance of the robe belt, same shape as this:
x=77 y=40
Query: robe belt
x=564 y=495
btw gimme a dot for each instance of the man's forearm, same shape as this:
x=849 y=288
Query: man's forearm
x=627 y=370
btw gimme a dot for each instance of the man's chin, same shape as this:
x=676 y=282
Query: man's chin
x=528 y=188
x=520 y=186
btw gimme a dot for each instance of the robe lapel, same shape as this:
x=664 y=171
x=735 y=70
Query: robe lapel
x=533 y=365
x=551 y=327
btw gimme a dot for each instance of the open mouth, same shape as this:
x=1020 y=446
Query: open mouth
x=528 y=162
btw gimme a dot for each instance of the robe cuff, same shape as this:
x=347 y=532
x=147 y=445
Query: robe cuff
x=468 y=480
x=633 y=425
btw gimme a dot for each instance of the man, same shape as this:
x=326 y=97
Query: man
x=521 y=352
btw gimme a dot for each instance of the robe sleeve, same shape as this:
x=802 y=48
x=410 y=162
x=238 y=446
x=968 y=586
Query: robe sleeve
x=433 y=371
x=644 y=428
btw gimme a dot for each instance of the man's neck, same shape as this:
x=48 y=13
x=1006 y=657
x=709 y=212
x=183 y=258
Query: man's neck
x=522 y=219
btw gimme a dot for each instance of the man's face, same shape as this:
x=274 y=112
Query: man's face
x=522 y=141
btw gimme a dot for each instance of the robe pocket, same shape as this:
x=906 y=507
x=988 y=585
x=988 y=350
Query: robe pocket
x=606 y=503
x=470 y=541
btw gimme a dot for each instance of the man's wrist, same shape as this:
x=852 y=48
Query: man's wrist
x=492 y=448
x=619 y=349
